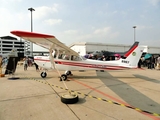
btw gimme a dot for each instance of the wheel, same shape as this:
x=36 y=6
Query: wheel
x=63 y=77
x=43 y=74
x=68 y=73
x=69 y=98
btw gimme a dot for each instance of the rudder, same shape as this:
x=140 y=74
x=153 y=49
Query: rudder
x=134 y=56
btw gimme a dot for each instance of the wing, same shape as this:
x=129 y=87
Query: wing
x=45 y=41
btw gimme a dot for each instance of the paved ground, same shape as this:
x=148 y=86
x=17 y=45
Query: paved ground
x=34 y=98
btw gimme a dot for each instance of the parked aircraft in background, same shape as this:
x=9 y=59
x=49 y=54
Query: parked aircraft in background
x=63 y=58
x=100 y=53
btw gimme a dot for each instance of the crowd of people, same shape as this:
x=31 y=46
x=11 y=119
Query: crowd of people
x=150 y=63
x=102 y=58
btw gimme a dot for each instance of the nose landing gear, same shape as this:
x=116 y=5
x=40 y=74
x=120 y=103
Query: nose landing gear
x=43 y=74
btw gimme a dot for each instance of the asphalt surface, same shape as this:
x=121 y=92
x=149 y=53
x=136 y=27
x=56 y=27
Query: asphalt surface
x=111 y=95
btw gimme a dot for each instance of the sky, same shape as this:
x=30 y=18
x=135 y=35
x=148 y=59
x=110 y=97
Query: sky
x=71 y=21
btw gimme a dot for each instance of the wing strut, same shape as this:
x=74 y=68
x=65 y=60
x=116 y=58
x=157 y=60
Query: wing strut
x=66 y=98
x=51 y=57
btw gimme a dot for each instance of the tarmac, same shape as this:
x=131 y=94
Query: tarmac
x=132 y=94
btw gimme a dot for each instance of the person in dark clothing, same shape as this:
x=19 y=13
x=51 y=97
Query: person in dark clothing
x=139 y=63
x=153 y=60
x=149 y=63
x=37 y=68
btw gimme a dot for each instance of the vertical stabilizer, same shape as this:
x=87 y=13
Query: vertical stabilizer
x=134 y=56
x=132 y=48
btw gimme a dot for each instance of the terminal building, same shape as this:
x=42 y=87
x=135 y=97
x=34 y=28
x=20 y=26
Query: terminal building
x=84 y=48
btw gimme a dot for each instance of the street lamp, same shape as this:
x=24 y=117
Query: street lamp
x=31 y=9
x=134 y=33
x=31 y=44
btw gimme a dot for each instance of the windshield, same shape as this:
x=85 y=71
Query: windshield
x=83 y=58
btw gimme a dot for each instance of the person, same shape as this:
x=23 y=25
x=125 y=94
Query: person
x=25 y=63
x=149 y=62
x=158 y=62
x=152 y=62
x=37 y=68
x=140 y=63
x=101 y=58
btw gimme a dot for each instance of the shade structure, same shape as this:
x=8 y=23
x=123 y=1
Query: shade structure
x=117 y=55
x=147 y=56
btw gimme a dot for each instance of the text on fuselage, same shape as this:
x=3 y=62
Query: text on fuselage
x=125 y=61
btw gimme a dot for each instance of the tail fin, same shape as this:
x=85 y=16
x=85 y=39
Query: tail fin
x=131 y=49
x=134 y=56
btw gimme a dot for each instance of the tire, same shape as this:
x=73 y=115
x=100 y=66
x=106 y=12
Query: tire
x=69 y=99
x=43 y=74
x=68 y=73
x=63 y=77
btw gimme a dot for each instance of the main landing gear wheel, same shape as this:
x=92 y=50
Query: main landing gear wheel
x=63 y=77
x=43 y=74
x=68 y=73
x=69 y=98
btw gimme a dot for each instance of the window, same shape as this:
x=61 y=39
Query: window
x=66 y=57
x=75 y=58
x=6 y=45
x=7 y=42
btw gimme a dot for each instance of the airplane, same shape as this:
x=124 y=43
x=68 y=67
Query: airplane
x=100 y=53
x=62 y=57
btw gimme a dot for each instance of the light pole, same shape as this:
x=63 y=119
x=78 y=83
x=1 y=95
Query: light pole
x=31 y=44
x=134 y=33
x=31 y=9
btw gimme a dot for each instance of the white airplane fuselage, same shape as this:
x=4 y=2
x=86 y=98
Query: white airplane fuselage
x=84 y=64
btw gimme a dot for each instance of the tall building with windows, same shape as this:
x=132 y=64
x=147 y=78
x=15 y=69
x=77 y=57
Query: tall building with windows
x=27 y=48
x=7 y=43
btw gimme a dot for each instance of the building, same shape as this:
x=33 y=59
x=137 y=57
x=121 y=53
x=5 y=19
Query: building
x=87 y=47
x=7 y=43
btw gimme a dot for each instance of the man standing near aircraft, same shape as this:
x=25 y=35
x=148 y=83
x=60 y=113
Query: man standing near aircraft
x=25 y=63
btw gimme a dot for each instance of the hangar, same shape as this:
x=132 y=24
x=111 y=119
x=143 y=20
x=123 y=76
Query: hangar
x=87 y=47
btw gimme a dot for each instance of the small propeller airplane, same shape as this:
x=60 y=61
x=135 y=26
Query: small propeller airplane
x=62 y=57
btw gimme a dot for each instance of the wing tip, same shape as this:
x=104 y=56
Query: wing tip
x=30 y=34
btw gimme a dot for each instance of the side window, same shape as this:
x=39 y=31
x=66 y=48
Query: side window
x=66 y=57
x=60 y=56
x=75 y=58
